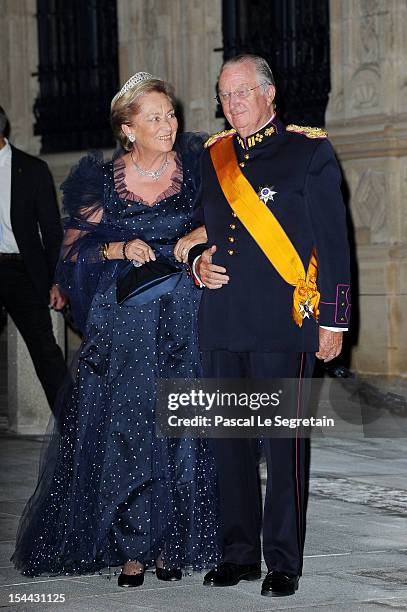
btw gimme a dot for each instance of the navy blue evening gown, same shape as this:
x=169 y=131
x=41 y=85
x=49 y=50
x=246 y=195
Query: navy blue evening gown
x=109 y=490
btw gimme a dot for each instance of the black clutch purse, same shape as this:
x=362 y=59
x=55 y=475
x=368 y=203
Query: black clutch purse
x=139 y=285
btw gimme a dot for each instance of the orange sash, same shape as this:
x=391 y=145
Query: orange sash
x=266 y=231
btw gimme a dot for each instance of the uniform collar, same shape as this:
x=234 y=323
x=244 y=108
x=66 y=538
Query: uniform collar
x=261 y=136
x=5 y=153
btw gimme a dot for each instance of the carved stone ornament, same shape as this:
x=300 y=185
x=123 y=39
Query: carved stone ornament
x=365 y=88
x=369 y=204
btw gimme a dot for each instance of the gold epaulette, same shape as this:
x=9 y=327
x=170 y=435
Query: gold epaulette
x=215 y=137
x=309 y=132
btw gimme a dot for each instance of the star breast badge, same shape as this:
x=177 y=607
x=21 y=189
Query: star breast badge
x=266 y=193
x=306 y=310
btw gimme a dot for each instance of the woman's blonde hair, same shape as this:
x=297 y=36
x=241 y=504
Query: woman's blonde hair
x=125 y=105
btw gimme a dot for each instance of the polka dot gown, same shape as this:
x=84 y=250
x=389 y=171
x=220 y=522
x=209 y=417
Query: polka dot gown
x=109 y=490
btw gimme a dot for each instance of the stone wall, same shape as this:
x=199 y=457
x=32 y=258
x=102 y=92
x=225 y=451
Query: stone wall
x=367 y=122
x=175 y=41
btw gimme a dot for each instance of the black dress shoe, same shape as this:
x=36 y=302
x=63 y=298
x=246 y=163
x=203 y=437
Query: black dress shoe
x=168 y=574
x=278 y=584
x=130 y=580
x=228 y=574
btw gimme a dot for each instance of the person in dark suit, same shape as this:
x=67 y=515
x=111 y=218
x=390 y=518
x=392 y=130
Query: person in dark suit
x=277 y=292
x=30 y=240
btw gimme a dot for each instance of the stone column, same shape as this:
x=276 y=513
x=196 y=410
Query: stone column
x=176 y=41
x=19 y=63
x=367 y=122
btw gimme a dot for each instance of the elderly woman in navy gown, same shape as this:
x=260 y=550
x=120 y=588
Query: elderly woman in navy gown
x=110 y=492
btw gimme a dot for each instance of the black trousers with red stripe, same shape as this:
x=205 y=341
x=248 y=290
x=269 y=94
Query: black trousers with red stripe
x=287 y=466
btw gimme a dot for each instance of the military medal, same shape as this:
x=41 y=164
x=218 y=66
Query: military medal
x=306 y=310
x=266 y=193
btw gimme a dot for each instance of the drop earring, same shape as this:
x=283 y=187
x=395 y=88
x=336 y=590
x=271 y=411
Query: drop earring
x=131 y=137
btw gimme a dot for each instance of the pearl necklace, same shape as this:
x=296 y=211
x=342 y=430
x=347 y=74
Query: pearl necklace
x=154 y=174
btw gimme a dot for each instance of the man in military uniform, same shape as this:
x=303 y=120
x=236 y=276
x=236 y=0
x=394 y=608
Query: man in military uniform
x=277 y=293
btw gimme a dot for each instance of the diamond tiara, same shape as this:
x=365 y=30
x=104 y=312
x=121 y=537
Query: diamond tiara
x=137 y=78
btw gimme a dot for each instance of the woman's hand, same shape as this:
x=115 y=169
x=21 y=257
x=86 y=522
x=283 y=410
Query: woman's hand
x=184 y=244
x=139 y=250
x=135 y=249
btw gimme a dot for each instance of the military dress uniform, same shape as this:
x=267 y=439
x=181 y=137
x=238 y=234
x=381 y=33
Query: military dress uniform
x=246 y=328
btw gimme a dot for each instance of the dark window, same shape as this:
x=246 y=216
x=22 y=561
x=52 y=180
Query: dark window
x=77 y=72
x=293 y=36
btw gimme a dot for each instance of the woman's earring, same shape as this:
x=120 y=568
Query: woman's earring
x=131 y=137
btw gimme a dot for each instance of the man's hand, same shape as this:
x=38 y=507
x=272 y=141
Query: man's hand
x=184 y=244
x=56 y=299
x=212 y=276
x=330 y=344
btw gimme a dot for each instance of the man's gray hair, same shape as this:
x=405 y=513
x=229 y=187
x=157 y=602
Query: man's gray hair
x=3 y=121
x=263 y=70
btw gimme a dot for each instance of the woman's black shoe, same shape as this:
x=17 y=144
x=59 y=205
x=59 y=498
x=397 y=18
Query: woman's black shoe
x=130 y=580
x=167 y=574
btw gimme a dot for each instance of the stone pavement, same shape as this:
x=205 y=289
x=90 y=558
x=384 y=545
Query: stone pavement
x=355 y=556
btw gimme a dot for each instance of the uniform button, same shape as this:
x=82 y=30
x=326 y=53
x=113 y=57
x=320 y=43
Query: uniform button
x=232 y=226
x=343 y=304
x=241 y=164
x=342 y=318
x=231 y=252
x=246 y=156
x=234 y=214
x=231 y=239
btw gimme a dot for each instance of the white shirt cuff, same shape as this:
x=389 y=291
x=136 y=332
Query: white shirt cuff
x=195 y=274
x=334 y=329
